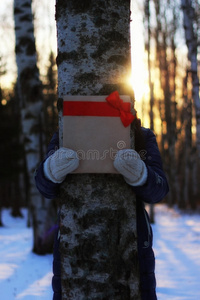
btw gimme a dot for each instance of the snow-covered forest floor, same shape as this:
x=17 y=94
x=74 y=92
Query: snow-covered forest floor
x=177 y=251
x=26 y=276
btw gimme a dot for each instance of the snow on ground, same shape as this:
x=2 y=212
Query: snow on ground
x=23 y=274
x=177 y=251
x=26 y=276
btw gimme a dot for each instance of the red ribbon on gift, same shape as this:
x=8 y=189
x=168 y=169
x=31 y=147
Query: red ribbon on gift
x=114 y=107
x=124 y=110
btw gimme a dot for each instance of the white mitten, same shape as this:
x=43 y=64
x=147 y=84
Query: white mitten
x=129 y=164
x=59 y=164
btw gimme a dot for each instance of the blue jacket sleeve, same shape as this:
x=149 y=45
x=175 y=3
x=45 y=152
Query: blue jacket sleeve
x=47 y=188
x=154 y=190
x=156 y=187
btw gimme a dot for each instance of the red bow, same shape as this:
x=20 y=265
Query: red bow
x=124 y=108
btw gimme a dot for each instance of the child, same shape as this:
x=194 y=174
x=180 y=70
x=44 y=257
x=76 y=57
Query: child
x=143 y=172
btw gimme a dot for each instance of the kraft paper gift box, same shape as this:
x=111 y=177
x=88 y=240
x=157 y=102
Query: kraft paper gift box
x=94 y=128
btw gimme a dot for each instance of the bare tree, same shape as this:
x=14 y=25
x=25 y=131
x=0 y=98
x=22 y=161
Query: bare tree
x=98 y=217
x=186 y=164
x=151 y=85
x=31 y=105
x=191 y=41
x=167 y=68
x=191 y=37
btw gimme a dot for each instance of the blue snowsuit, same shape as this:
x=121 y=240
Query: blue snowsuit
x=154 y=190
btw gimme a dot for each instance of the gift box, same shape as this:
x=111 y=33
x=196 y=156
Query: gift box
x=96 y=127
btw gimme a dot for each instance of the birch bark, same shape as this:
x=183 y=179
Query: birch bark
x=166 y=79
x=151 y=85
x=98 y=219
x=30 y=95
x=191 y=41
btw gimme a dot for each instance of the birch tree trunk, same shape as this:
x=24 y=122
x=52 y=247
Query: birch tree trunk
x=166 y=79
x=191 y=41
x=186 y=164
x=30 y=95
x=98 y=219
x=151 y=85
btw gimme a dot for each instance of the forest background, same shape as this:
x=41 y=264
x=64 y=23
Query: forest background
x=165 y=56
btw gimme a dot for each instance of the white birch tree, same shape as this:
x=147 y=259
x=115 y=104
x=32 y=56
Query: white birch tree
x=151 y=85
x=30 y=95
x=191 y=41
x=192 y=45
x=98 y=218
